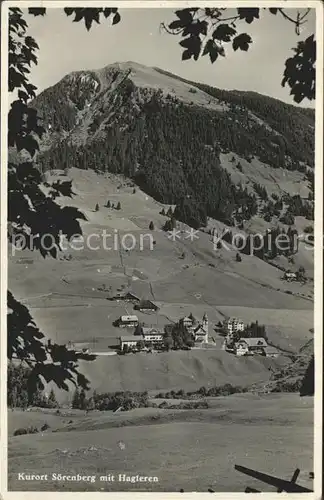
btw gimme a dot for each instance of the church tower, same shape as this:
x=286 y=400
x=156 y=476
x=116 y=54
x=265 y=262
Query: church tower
x=205 y=326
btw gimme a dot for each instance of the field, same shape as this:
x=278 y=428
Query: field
x=180 y=276
x=255 y=431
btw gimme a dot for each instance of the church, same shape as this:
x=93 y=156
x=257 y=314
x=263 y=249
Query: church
x=199 y=329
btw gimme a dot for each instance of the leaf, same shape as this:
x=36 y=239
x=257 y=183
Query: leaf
x=186 y=42
x=63 y=187
x=174 y=25
x=79 y=14
x=186 y=55
x=107 y=12
x=23 y=95
x=116 y=18
x=242 y=42
x=248 y=14
x=185 y=16
x=37 y=11
x=208 y=46
x=88 y=20
x=273 y=10
x=213 y=54
x=224 y=33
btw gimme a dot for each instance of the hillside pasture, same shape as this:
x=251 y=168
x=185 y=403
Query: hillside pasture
x=207 y=443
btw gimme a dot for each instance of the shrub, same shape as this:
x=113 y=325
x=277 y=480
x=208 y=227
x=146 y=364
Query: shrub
x=238 y=258
x=288 y=219
x=97 y=207
x=29 y=430
x=20 y=432
x=45 y=427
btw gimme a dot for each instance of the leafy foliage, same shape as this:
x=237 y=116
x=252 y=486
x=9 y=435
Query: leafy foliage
x=181 y=337
x=34 y=216
x=90 y=15
x=209 y=31
x=300 y=70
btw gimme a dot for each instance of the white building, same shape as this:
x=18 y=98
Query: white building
x=290 y=276
x=152 y=335
x=127 y=321
x=128 y=340
x=234 y=325
x=249 y=345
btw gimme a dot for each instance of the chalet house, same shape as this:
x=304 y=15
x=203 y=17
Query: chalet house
x=127 y=321
x=153 y=335
x=146 y=306
x=270 y=352
x=130 y=297
x=125 y=297
x=234 y=325
x=149 y=334
x=199 y=329
x=290 y=276
x=128 y=340
x=246 y=346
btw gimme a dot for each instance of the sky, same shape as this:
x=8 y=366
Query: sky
x=66 y=46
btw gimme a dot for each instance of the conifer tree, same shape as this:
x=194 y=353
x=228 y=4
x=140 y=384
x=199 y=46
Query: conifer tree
x=76 y=399
x=238 y=258
x=83 y=400
x=52 y=401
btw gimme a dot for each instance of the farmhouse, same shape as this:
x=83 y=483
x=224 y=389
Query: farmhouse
x=246 y=346
x=128 y=340
x=145 y=306
x=233 y=325
x=125 y=297
x=290 y=276
x=270 y=352
x=127 y=321
x=152 y=335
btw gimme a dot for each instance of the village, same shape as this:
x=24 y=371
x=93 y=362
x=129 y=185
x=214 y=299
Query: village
x=189 y=332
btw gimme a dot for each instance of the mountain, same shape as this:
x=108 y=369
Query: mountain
x=228 y=155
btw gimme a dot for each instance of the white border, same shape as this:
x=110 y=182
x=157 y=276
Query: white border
x=318 y=322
